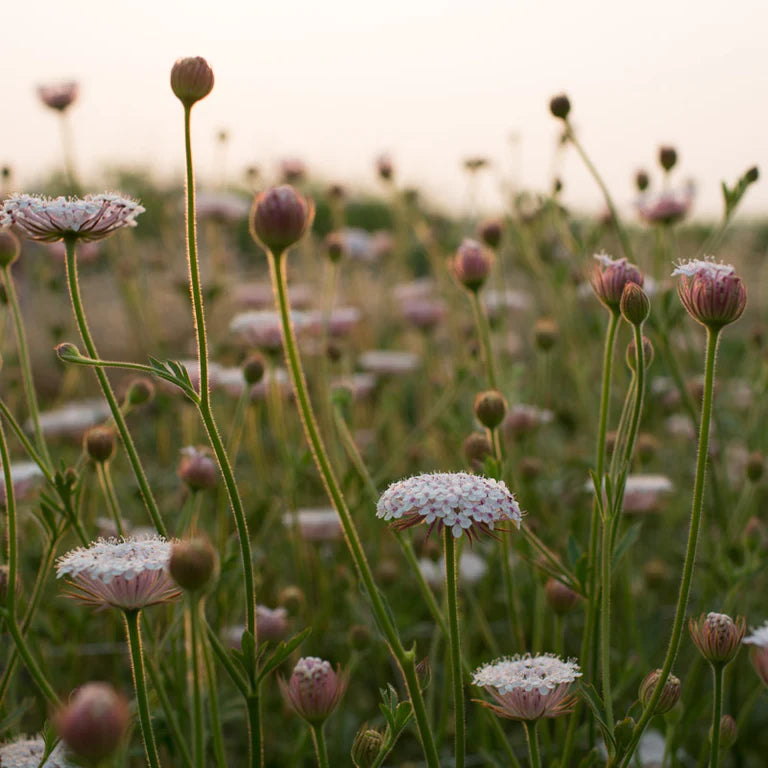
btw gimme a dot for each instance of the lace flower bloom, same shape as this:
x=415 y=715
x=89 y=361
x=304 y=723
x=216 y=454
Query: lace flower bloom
x=462 y=502
x=50 y=219
x=713 y=294
x=28 y=753
x=129 y=574
x=529 y=687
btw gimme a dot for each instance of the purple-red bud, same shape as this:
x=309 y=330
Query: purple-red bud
x=279 y=218
x=191 y=79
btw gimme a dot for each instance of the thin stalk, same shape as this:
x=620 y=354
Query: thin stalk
x=108 y=489
x=483 y=330
x=198 y=723
x=253 y=707
x=137 y=667
x=27 y=378
x=717 y=713
x=213 y=706
x=26 y=443
x=405 y=659
x=693 y=535
x=114 y=407
x=321 y=751
x=532 y=737
x=454 y=637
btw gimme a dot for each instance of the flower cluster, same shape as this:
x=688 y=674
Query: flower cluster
x=462 y=502
x=51 y=219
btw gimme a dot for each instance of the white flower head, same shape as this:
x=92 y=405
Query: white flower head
x=457 y=500
x=606 y=260
x=706 y=266
x=28 y=753
x=50 y=219
x=759 y=637
x=542 y=673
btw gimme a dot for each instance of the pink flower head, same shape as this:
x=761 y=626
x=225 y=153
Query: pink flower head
x=280 y=216
x=758 y=653
x=58 y=96
x=609 y=276
x=713 y=294
x=50 y=219
x=472 y=264
x=667 y=208
x=459 y=501
x=717 y=636
x=129 y=574
x=314 y=689
x=529 y=687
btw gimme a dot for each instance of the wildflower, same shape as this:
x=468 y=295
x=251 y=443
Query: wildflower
x=384 y=167
x=717 y=636
x=728 y=731
x=74 y=419
x=667 y=208
x=459 y=501
x=497 y=302
x=490 y=232
x=471 y=265
x=758 y=653
x=561 y=598
x=191 y=79
x=523 y=419
x=477 y=447
x=315 y=524
x=50 y=219
x=94 y=722
x=490 y=408
x=198 y=468
x=293 y=170
x=667 y=157
x=222 y=207
x=193 y=563
x=27 y=478
x=9 y=246
x=635 y=305
x=280 y=217
x=100 y=443
x=58 y=96
x=670 y=693
x=712 y=293
x=129 y=574
x=610 y=276
x=385 y=362
x=28 y=753
x=424 y=314
x=529 y=687
x=314 y=689
x=272 y=623
x=366 y=747
x=642 y=181
x=560 y=106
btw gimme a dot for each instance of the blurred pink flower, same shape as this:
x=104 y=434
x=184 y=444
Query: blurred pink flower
x=58 y=96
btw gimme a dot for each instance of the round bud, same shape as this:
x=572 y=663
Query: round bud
x=94 y=722
x=366 y=747
x=253 y=369
x=545 y=333
x=476 y=448
x=490 y=232
x=471 y=265
x=490 y=408
x=560 y=106
x=647 y=353
x=560 y=597
x=752 y=175
x=623 y=730
x=140 y=391
x=272 y=624
x=717 y=636
x=336 y=192
x=292 y=598
x=198 y=469
x=755 y=466
x=670 y=693
x=193 y=563
x=334 y=246
x=9 y=248
x=642 y=181
x=67 y=350
x=728 y=732
x=667 y=157
x=280 y=217
x=191 y=79
x=100 y=443
x=635 y=305
x=384 y=167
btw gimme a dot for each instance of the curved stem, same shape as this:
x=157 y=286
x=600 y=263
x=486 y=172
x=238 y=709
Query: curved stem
x=24 y=363
x=137 y=666
x=481 y=320
x=114 y=407
x=406 y=659
x=693 y=535
x=455 y=642
x=717 y=713
x=532 y=737
x=321 y=751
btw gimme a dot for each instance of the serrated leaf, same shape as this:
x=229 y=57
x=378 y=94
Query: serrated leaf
x=282 y=652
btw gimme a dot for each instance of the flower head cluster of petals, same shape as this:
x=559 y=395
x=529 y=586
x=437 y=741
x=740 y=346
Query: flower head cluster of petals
x=759 y=637
x=712 y=293
x=609 y=276
x=50 y=219
x=758 y=653
x=314 y=689
x=459 y=501
x=28 y=753
x=717 y=636
x=129 y=574
x=529 y=687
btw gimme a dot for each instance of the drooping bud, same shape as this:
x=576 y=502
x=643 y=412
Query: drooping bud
x=609 y=276
x=279 y=218
x=667 y=157
x=10 y=248
x=471 y=265
x=314 y=689
x=100 y=443
x=490 y=408
x=198 y=469
x=366 y=747
x=191 y=79
x=635 y=305
x=717 y=636
x=560 y=597
x=490 y=232
x=140 y=391
x=193 y=563
x=67 y=351
x=670 y=693
x=94 y=722
x=560 y=106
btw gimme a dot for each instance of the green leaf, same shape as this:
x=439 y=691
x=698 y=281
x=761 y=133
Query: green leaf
x=625 y=542
x=594 y=702
x=282 y=652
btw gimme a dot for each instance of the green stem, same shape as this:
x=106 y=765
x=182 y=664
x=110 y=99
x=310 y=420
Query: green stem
x=253 y=706
x=24 y=440
x=137 y=666
x=484 y=332
x=321 y=751
x=532 y=737
x=198 y=724
x=693 y=535
x=455 y=642
x=24 y=362
x=114 y=407
x=108 y=489
x=405 y=659
x=213 y=706
x=717 y=713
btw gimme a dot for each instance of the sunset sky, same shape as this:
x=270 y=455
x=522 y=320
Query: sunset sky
x=429 y=81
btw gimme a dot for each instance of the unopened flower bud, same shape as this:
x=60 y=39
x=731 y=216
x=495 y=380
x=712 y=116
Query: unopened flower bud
x=9 y=248
x=471 y=265
x=253 y=369
x=717 y=636
x=667 y=157
x=314 y=689
x=193 y=563
x=476 y=448
x=670 y=693
x=728 y=732
x=140 y=391
x=359 y=637
x=545 y=333
x=334 y=246
x=272 y=623
x=280 y=217
x=366 y=747
x=713 y=294
x=752 y=175
x=610 y=276
x=490 y=408
x=67 y=351
x=755 y=466
x=623 y=730
x=642 y=182
x=198 y=469
x=292 y=598
x=490 y=232
x=94 y=722
x=100 y=443
x=191 y=79
x=648 y=353
x=560 y=106
x=635 y=305
x=384 y=167
x=561 y=598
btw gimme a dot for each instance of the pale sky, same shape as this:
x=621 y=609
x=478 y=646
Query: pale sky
x=429 y=81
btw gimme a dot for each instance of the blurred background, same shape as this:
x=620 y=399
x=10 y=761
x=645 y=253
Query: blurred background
x=431 y=82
